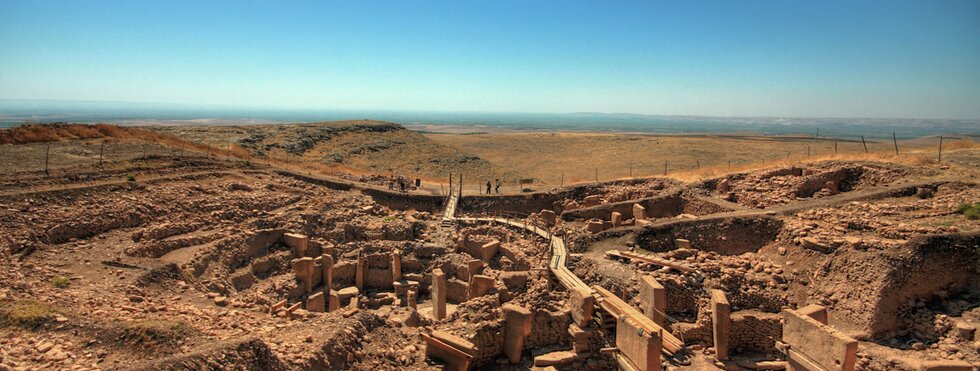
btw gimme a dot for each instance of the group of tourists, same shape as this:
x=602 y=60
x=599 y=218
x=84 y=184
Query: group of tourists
x=403 y=184
x=496 y=186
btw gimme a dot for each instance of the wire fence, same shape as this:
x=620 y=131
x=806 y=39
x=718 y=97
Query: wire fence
x=66 y=158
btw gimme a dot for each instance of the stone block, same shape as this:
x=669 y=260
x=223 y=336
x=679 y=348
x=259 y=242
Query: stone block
x=822 y=344
x=347 y=293
x=592 y=200
x=303 y=268
x=595 y=226
x=548 y=216
x=653 y=299
x=581 y=339
x=480 y=285
x=457 y=291
x=721 y=323
x=640 y=347
x=297 y=242
x=581 y=304
x=517 y=326
x=681 y=243
x=515 y=280
x=489 y=250
x=473 y=267
x=315 y=303
x=453 y=350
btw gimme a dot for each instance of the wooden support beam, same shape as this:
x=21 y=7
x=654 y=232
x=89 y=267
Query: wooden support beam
x=617 y=307
x=649 y=260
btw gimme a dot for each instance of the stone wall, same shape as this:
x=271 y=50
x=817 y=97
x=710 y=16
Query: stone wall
x=548 y=328
x=754 y=331
x=726 y=236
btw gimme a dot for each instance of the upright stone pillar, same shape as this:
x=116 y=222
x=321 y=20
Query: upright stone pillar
x=438 y=292
x=303 y=268
x=721 y=323
x=639 y=212
x=334 y=300
x=517 y=326
x=653 y=299
x=396 y=265
x=315 y=302
x=412 y=298
x=474 y=267
x=327 y=273
x=359 y=274
x=640 y=347
x=582 y=305
x=616 y=218
x=297 y=242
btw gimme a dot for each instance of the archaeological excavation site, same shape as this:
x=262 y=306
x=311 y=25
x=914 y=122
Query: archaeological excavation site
x=202 y=263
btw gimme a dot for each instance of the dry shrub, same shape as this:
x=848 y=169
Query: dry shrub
x=960 y=144
x=708 y=172
x=239 y=151
x=28 y=314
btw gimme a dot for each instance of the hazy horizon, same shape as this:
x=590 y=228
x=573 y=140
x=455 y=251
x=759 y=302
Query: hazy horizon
x=15 y=112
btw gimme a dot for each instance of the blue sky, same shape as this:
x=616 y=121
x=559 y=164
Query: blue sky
x=918 y=59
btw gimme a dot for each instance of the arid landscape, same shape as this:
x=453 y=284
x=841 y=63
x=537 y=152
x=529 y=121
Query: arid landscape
x=282 y=247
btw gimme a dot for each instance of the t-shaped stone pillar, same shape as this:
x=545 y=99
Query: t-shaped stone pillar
x=517 y=326
x=396 y=265
x=639 y=212
x=438 y=292
x=412 y=297
x=327 y=275
x=303 y=268
x=640 y=347
x=653 y=299
x=616 y=218
x=582 y=306
x=334 y=300
x=721 y=323
x=359 y=273
x=299 y=243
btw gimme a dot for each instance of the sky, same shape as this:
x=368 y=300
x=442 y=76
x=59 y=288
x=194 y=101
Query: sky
x=781 y=58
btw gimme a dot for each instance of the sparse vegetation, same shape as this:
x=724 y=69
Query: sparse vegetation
x=971 y=211
x=130 y=178
x=60 y=282
x=28 y=314
x=187 y=276
x=154 y=333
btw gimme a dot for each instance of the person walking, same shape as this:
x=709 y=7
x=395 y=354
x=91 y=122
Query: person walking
x=488 y=186
x=497 y=186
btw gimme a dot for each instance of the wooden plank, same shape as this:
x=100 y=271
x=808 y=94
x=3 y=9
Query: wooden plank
x=624 y=363
x=619 y=307
x=650 y=260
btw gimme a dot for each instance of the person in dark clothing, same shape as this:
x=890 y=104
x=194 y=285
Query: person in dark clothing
x=496 y=187
x=488 y=186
